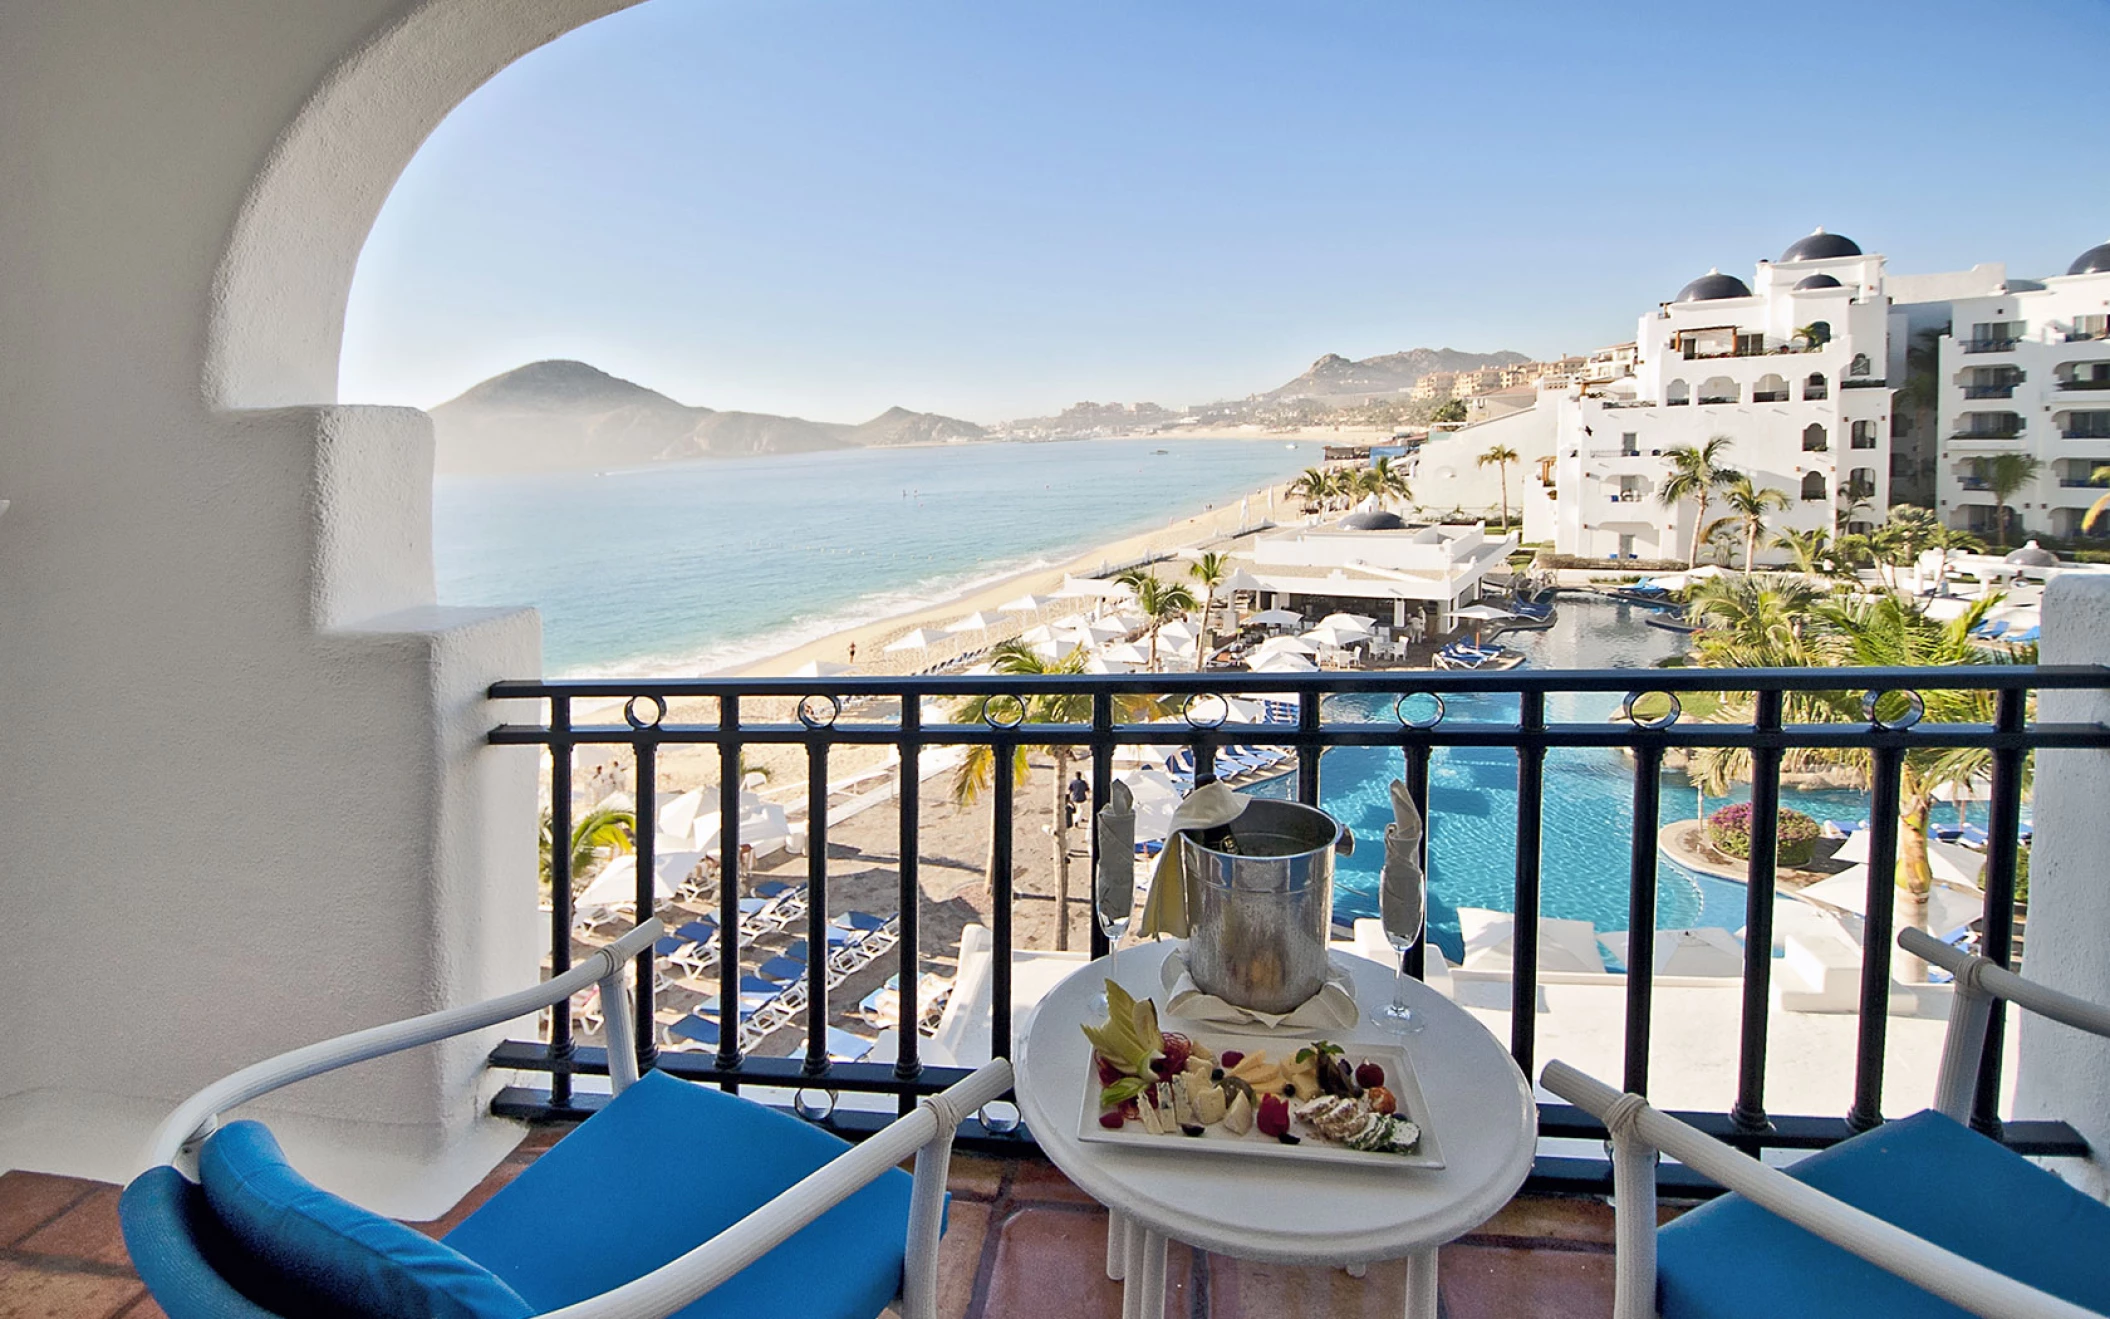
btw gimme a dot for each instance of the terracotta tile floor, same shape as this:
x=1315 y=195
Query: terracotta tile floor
x=1022 y=1241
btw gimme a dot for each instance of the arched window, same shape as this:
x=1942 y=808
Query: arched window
x=1813 y=440
x=1861 y=483
x=1859 y=366
x=1769 y=389
x=1718 y=389
x=1677 y=395
x=1864 y=436
x=1813 y=486
x=1816 y=386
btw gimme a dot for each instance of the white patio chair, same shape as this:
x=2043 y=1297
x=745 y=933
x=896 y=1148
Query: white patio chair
x=1880 y=1225
x=673 y=1198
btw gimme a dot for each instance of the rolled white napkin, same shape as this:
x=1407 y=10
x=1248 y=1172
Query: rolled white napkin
x=1115 y=876
x=1167 y=906
x=1401 y=886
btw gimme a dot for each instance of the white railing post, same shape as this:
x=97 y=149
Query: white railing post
x=2058 y=1074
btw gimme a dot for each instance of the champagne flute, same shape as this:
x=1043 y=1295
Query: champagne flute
x=1403 y=910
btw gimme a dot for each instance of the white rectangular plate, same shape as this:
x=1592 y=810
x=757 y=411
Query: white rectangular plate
x=1218 y=1139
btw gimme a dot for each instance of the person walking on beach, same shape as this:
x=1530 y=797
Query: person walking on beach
x=853 y=652
x=1080 y=795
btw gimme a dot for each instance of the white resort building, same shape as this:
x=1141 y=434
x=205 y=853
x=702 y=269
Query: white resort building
x=1794 y=371
x=2025 y=368
x=1373 y=562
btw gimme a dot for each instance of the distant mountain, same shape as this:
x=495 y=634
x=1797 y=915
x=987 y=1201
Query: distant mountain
x=1336 y=377
x=553 y=416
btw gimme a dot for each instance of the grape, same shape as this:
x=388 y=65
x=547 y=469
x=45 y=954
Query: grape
x=1112 y=1120
x=1369 y=1074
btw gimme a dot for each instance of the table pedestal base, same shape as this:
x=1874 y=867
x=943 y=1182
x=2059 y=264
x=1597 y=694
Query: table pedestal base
x=1135 y=1258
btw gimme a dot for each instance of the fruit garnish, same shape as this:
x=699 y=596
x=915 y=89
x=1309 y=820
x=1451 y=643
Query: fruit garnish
x=1273 y=1117
x=1129 y=1037
x=1381 y=1100
x=1112 y=1119
x=1369 y=1074
x=1177 y=1049
x=1230 y=1058
x=1126 y=1088
x=1108 y=1073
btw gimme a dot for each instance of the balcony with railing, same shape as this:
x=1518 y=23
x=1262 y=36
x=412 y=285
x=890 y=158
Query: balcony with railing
x=909 y=716
x=1989 y=391
x=2085 y=383
x=1998 y=344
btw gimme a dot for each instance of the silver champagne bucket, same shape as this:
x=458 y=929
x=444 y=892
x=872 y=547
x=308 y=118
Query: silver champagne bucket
x=1264 y=905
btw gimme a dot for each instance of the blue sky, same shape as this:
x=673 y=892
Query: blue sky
x=825 y=208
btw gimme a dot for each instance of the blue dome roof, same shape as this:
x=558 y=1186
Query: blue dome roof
x=2094 y=261
x=1714 y=284
x=1371 y=519
x=1821 y=246
x=1816 y=282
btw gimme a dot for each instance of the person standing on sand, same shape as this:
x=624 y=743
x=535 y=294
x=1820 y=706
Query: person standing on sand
x=1080 y=793
x=853 y=652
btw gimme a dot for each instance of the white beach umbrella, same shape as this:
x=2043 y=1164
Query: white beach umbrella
x=1093 y=587
x=1101 y=664
x=1711 y=951
x=616 y=885
x=1286 y=646
x=1090 y=632
x=1333 y=637
x=1275 y=618
x=1283 y=662
x=1948 y=905
x=1349 y=622
x=819 y=669
x=1026 y=604
x=1482 y=613
x=921 y=638
x=1034 y=636
x=1700 y=573
x=1948 y=862
x=979 y=621
x=1490 y=942
x=1128 y=621
x=1125 y=652
x=1130 y=754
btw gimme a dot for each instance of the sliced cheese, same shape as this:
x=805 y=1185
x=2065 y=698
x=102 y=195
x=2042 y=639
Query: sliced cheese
x=1183 y=1103
x=1209 y=1105
x=1238 y=1115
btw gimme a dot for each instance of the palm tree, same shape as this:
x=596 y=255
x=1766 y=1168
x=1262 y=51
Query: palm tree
x=1500 y=456
x=1385 y=481
x=1750 y=504
x=1806 y=549
x=1159 y=601
x=1696 y=473
x=1211 y=570
x=977 y=772
x=2005 y=474
x=1755 y=620
x=1315 y=486
x=2100 y=476
x=1814 y=335
x=595 y=836
x=1720 y=540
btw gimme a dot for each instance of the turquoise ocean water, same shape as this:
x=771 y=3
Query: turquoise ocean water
x=687 y=568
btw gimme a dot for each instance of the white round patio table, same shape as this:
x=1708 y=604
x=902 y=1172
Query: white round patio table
x=1275 y=1210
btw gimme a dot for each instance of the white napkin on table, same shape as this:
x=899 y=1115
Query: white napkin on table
x=1332 y=1008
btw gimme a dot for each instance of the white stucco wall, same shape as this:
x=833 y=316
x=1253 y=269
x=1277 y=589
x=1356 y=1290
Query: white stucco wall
x=2062 y=1073
x=244 y=798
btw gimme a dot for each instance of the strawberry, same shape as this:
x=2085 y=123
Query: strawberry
x=1273 y=1117
x=1369 y=1074
x=1229 y=1058
x=1112 y=1119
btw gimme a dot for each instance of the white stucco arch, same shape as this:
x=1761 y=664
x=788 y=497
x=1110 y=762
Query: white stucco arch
x=279 y=295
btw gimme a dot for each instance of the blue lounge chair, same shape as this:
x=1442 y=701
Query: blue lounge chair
x=846 y=1047
x=1892 y=1223
x=781 y=970
x=697 y=1028
x=772 y=888
x=649 y=1190
x=1990 y=630
x=1948 y=833
x=1972 y=836
x=2025 y=636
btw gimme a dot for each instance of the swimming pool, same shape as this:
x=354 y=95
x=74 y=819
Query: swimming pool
x=1588 y=799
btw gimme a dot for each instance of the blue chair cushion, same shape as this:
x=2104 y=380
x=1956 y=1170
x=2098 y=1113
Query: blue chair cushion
x=1931 y=1176
x=325 y=1255
x=182 y=1252
x=665 y=1167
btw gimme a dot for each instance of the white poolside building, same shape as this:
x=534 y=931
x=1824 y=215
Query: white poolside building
x=1376 y=563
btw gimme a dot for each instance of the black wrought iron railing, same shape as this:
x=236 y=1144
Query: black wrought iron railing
x=891 y=712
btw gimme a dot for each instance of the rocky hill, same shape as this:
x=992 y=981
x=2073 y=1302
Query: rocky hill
x=1336 y=377
x=559 y=415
